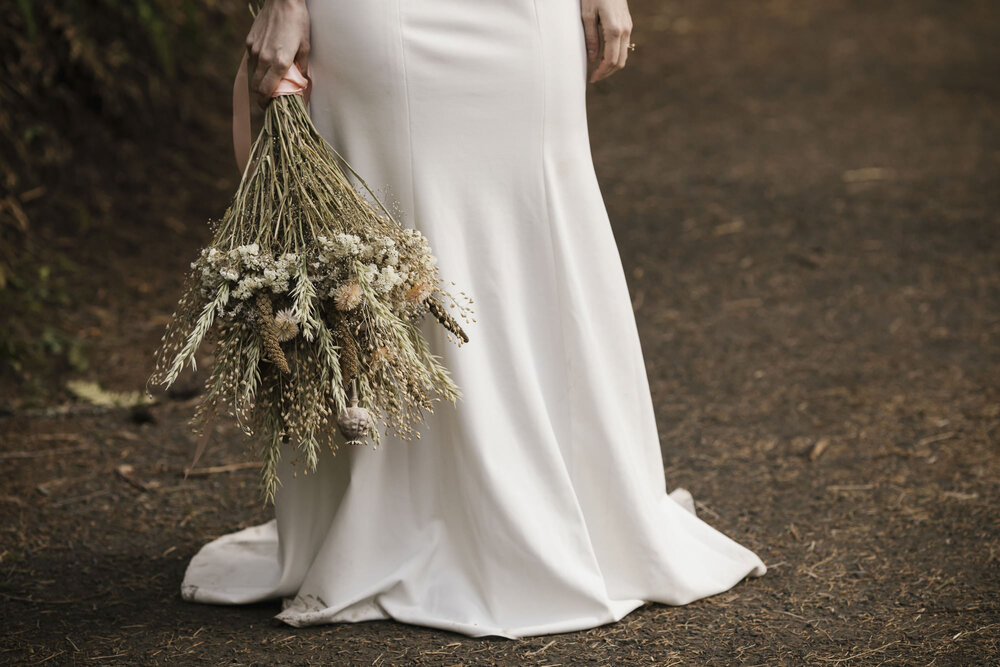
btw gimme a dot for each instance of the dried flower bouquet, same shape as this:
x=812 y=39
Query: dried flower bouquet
x=313 y=296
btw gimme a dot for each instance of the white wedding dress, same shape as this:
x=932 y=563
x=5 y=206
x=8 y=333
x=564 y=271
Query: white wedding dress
x=538 y=503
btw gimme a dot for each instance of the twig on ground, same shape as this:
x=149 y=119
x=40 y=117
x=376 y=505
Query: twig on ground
x=230 y=467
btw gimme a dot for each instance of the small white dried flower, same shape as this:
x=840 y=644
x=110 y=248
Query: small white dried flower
x=387 y=279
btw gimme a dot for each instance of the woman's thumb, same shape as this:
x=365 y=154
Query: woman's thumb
x=302 y=58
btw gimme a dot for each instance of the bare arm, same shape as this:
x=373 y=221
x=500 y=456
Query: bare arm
x=279 y=37
x=608 y=21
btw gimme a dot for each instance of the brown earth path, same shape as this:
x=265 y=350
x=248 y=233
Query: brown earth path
x=805 y=199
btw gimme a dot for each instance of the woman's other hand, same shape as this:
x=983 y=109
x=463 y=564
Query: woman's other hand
x=279 y=37
x=607 y=22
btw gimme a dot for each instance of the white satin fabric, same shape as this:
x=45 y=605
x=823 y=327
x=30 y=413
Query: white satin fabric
x=537 y=504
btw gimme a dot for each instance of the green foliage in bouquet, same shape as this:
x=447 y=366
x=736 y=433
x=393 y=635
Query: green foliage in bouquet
x=313 y=296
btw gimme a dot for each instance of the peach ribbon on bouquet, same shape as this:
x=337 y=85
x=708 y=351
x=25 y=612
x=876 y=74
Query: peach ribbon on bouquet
x=294 y=82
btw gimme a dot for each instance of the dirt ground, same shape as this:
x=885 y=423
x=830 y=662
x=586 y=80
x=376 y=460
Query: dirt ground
x=805 y=196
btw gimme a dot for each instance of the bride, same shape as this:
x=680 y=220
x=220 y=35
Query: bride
x=537 y=504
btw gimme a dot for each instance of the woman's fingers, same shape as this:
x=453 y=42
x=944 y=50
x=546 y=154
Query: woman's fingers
x=275 y=68
x=607 y=28
x=253 y=60
x=302 y=57
x=590 y=34
x=611 y=33
x=623 y=48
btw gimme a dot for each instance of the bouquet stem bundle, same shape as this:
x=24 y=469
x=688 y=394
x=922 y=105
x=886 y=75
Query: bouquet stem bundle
x=313 y=295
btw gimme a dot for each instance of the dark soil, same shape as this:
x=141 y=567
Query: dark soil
x=805 y=196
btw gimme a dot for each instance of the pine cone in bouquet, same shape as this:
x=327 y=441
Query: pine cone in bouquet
x=309 y=290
